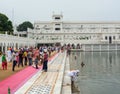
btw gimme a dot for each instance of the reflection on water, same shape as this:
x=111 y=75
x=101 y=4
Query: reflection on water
x=100 y=74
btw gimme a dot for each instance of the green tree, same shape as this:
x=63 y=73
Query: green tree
x=24 y=26
x=5 y=24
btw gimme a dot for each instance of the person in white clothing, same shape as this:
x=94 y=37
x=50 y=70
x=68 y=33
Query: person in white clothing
x=9 y=55
x=73 y=74
x=14 y=59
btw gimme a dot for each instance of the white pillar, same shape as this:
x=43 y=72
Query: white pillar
x=18 y=45
x=116 y=47
x=108 y=47
x=6 y=47
x=14 y=46
x=92 y=47
x=6 y=33
x=2 y=47
x=28 y=45
x=100 y=47
x=18 y=34
x=84 y=47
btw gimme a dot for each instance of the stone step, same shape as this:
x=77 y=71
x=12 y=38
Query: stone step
x=66 y=85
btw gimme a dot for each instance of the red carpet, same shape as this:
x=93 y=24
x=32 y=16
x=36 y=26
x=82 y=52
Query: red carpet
x=17 y=80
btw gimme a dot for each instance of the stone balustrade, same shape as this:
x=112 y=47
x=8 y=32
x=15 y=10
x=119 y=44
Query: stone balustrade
x=16 y=42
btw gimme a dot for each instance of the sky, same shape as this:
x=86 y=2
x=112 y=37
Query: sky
x=19 y=11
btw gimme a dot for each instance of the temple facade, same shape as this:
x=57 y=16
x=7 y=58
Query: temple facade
x=73 y=32
x=91 y=35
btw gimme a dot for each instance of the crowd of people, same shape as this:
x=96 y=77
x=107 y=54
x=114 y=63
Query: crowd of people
x=35 y=57
x=28 y=56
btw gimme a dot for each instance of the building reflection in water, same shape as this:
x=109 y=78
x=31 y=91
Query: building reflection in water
x=101 y=73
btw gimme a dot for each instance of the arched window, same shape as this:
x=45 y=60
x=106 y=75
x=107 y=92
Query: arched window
x=105 y=37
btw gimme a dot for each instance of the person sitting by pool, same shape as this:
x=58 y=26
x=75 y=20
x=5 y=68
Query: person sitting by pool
x=75 y=57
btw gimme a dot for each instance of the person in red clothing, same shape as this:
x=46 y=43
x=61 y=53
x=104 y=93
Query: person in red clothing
x=4 y=62
x=45 y=61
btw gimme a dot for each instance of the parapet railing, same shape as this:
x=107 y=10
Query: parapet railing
x=98 y=47
x=11 y=37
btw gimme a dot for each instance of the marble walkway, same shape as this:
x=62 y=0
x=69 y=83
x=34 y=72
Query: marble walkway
x=50 y=82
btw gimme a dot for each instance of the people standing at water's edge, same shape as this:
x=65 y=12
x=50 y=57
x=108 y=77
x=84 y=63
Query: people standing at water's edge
x=75 y=57
x=45 y=61
x=73 y=74
x=68 y=49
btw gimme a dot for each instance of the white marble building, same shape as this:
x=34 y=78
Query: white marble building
x=64 y=32
x=15 y=42
x=92 y=35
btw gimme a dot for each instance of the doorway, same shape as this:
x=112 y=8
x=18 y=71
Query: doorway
x=110 y=39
